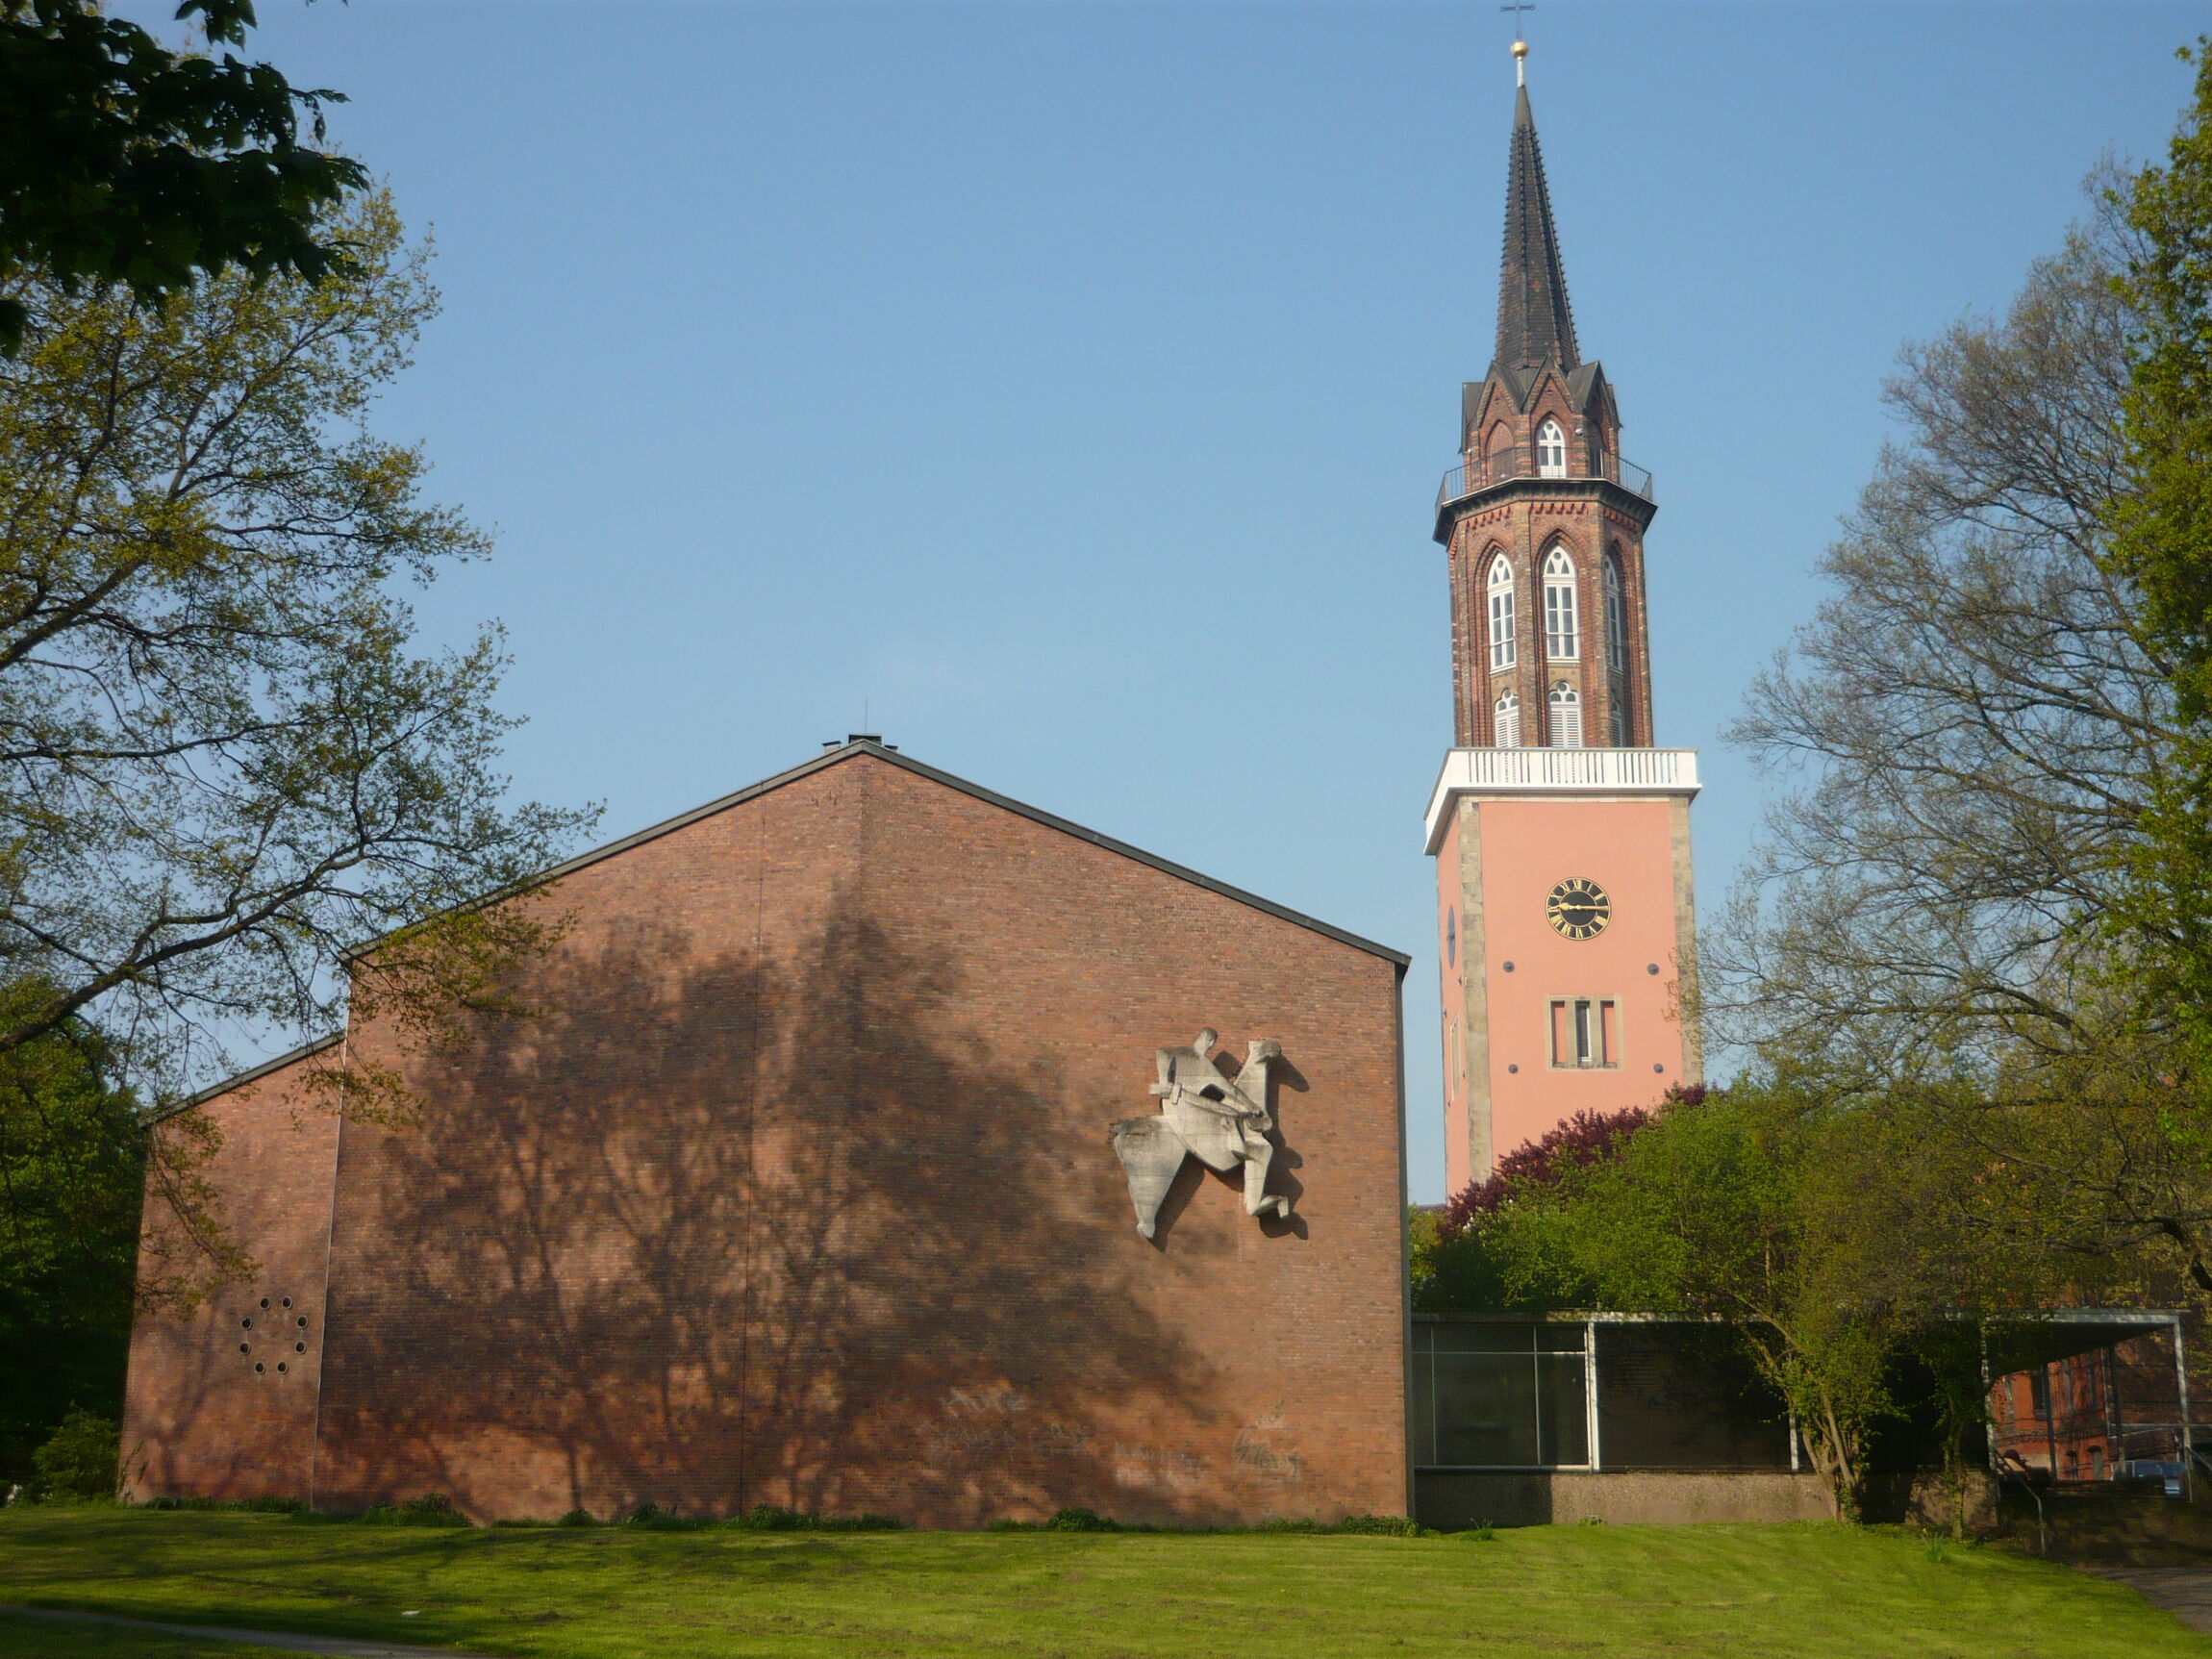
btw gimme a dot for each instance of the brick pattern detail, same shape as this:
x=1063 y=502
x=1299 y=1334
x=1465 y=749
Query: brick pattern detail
x=799 y=1193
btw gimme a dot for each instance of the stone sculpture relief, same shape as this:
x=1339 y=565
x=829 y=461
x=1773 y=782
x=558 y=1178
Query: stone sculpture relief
x=1205 y=1114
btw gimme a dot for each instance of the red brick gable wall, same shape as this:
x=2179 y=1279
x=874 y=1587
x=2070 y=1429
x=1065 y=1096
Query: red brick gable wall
x=222 y=1402
x=798 y=1191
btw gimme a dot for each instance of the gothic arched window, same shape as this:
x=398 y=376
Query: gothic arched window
x=1500 y=591
x=1566 y=717
x=1616 y=618
x=1505 y=722
x=1617 y=651
x=1501 y=467
x=1551 y=450
x=1562 y=630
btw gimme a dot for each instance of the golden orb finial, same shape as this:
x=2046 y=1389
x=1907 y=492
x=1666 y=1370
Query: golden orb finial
x=1521 y=48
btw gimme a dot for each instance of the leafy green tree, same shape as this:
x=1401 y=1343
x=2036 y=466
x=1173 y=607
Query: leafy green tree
x=1825 y=1230
x=72 y=1170
x=2162 y=546
x=223 y=766
x=124 y=162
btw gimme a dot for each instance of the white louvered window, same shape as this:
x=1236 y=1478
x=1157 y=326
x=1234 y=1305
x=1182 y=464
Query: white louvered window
x=1562 y=624
x=1505 y=722
x=1500 y=589
x=1566 y=717
x=1551 y=450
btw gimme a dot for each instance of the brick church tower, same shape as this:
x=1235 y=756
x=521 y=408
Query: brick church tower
x=1565 y=910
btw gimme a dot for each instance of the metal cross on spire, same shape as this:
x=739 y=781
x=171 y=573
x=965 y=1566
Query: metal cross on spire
x=1520 y=41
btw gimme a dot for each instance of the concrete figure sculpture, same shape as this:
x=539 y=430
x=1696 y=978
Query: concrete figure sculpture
x=1204 y=1114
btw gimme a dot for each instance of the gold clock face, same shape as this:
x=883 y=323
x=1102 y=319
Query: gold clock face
x=1578 y=909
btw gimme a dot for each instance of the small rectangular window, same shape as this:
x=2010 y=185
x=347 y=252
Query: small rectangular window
x=1585 y=1032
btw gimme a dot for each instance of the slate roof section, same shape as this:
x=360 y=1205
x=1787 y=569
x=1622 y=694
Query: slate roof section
x=1534 y=319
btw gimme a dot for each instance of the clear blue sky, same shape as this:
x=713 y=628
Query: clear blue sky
x=1066 y=384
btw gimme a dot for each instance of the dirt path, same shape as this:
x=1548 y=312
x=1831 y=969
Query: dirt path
x=2185 y=1592
x=287 y=1642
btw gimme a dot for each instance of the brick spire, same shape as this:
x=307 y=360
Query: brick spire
x=1534 y=320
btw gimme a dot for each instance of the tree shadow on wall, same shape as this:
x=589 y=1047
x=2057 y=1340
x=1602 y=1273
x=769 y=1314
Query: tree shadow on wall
x=716 y=1233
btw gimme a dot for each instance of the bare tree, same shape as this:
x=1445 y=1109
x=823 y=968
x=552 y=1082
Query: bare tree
x=1968 y=728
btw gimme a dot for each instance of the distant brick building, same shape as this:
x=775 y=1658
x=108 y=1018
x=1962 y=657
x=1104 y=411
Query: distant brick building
x=798 y=1191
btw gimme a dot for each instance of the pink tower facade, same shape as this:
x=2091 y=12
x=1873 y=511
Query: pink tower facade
x=1564 y=911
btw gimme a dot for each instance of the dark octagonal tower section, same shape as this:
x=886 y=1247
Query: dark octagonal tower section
x=1497 y=501
x=1541 y=1022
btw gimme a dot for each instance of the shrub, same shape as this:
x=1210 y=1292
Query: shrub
x=768 y=1518
x=431 y=1509
x=1381 y=1526
x=1081 y=1520
x=654 y=1518
x=577 y=1517
x=79 y=1463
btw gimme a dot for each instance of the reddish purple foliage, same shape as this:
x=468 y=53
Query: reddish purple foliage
x=1586 y=1137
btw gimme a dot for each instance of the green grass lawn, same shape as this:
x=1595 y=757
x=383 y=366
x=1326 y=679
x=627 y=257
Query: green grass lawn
x=625 y=1593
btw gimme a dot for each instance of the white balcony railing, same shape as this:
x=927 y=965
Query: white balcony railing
x=1559 y=772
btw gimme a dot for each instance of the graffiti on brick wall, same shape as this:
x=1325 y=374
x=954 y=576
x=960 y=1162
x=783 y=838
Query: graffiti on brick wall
x=1266 y=1447
x=1158 y=1468
x=991 y=1423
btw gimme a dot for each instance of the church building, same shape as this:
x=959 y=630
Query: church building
x=876 y=1144
x=1565 y=910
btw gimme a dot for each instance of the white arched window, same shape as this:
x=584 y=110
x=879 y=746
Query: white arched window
x=1566 y=717
x=1505 y=722
x=1562 y=630
x=1500 y=591
x=1551 y=450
